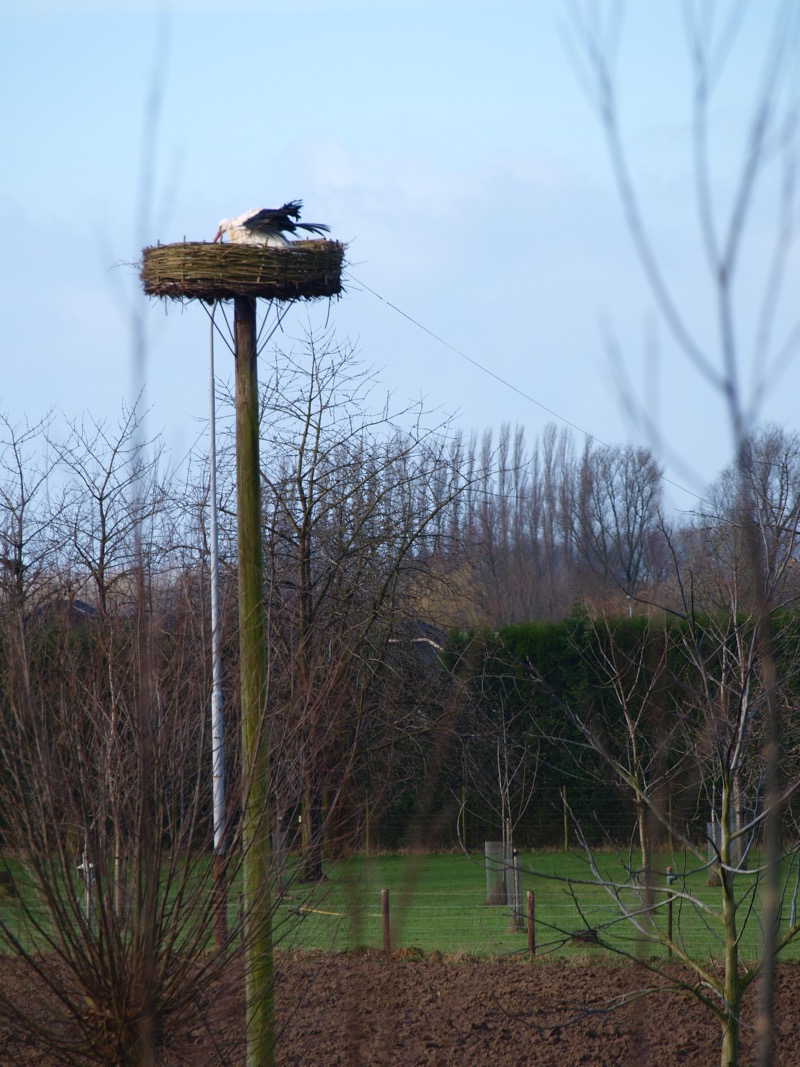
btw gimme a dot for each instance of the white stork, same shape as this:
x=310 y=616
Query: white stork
x=268 y=226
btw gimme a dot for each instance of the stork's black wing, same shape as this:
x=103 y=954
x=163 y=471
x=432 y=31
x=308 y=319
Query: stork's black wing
x=292 y=209
x=269 y=220
x=314 y=227
x=279 y=220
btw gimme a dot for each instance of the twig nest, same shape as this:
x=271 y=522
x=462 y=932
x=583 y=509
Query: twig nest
x=202 y=271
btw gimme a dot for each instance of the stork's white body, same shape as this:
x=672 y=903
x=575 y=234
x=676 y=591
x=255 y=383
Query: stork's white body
x=267 y=226
x=239 y=234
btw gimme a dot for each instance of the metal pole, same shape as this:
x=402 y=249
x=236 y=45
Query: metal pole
x=256 y=858
x=217 y=722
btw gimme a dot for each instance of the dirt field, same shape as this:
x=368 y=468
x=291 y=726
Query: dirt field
x=361 y=1009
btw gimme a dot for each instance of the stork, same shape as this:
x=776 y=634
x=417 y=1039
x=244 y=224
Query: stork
x=268 y=226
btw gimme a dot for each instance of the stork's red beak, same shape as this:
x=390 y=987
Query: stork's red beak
x=219 y=234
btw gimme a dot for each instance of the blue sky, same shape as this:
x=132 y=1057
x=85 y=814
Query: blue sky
x=449 y=143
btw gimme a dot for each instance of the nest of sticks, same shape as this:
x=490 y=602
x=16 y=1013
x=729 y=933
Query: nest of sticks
x=203 y=271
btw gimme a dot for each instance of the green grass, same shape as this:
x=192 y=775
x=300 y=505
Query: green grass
x=25 y=918
x=438 y=903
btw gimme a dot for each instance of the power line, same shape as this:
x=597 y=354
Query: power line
x=476 y=363
x=510 y=385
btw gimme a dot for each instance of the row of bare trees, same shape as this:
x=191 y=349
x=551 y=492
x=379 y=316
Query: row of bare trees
x=104 y=734
x=537 y=530
x=378 y=532
x=669 y=714
x=513 y=532
x=546 y=525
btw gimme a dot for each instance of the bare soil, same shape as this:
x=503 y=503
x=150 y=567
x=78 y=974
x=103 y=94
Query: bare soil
x=363 y=1009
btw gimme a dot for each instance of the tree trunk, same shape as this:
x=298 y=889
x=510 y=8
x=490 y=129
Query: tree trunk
x=311 y=870
x=644 y=839
x=732 y=987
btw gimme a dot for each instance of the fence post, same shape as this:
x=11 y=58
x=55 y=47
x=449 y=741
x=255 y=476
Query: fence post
x=387 y=930
x=531 y=923
x=670 y=880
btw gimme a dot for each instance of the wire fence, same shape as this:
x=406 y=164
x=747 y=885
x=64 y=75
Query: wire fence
x=564 y=929
x=449 y=904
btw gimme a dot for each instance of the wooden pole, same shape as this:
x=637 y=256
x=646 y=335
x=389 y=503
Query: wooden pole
x=531 y=923
x=253 y=668
x=387 y=929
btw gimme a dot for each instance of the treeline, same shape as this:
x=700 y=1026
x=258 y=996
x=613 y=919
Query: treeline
x=606 y=719
x=467 y=639
x=381 y=535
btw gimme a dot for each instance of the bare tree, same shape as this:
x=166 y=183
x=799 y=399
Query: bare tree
x=720 y=546
x=113 y=489
x=514 y=527
x=351 y=499
x=27 y=512
x=539 y=527
x=500 y=745
x=103 y=752
x=630 y=728
x=769 y=147
x=613 y=514
x=105 y=779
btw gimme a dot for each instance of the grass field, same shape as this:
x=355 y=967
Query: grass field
x=439 y=903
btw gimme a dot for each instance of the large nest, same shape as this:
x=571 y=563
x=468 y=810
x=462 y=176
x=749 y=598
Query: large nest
x=198 y=270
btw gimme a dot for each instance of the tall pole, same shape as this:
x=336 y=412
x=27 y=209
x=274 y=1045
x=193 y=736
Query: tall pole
x=255 y=814
x=217 y=722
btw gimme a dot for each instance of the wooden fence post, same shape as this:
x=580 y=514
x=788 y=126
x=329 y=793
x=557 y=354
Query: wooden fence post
x=387 y=930
x=670 y=880
x=531 y=923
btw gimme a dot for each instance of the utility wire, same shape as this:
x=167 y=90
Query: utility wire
x=475 y=363
x=510 y=385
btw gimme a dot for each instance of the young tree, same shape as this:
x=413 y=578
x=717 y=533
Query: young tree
x=104 y=781
x=109 y=526
x=630 y=725
x=499 y=742
x=351 y=499
x=770 y=148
